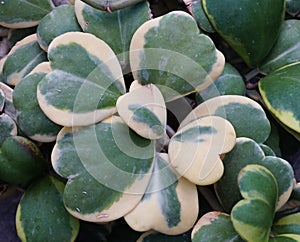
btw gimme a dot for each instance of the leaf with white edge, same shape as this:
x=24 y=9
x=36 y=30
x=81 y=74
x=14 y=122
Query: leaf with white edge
x=9 y=107
x=60 y=20
x=287 y=225
x=2 y=99
x=245 y=152
x=293 y=7
x=8 y=127
x=22 y=58
x=178 y=64
x=280 y=92
x=143 y=110
x=85 y=82
x=153 y=236
x=286 y=238
x=215 y=226
x=253 y=216
x=110 y=6
x=108 y=169
x=247 y=116
x=50 y=221
x=30 y=118
x=116 y=28
x=195 y=149
x=23 y=14
x=249 y=27
x=164 y=207
x=230 y=82
x=286 y=49
x=21 y=160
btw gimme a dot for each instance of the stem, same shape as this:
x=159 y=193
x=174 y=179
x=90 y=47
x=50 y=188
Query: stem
x=251 y=74
x=170 y=131
x=210 y=197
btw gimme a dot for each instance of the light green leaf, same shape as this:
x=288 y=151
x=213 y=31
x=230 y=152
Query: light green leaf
x=50 y=221
x=287 y=225
x=178 y=64
x=249 y=27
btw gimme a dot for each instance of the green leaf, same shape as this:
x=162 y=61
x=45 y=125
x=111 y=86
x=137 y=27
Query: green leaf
x=2 y=100
x=195 y=149
x=253 y=123
x=280 y=92
x=249 y=27
x=229 y=83
x=287 y=225
x=286 y=238
x=107 y=166
x=153 y=236
x=60 y=20
x=50 y=221
x=8 y=127
x=178 y=64
x=273 y=140
x=111 y=5
x=143 y=110
x=215 y=226
x=163 y=207
x=267 y=150
x=30 y=118
x=286 y=49
x=21 y=160
x=9 y=108
x=75 y=93
x=23 y=14
x=253 y=216
x=293 y=7
x=22 y=59
x=116 y=28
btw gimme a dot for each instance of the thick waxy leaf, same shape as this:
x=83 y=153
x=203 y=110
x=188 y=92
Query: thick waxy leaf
x=215 y=226
x=164 y=207
x=20 y=160
x=9 y=108
x=286 y=238
x=293 y=7
x=287 y=225
x=267 y=150
x=153 y=236
x=245 y=152
x=113 y=5
x=116 y=28
x=30 y=118
x=8 y=127
x=143 y=110
x=249 y=27
x=280 y=92
x=85 y=83
x=197 y=11
x=22 y=58
x=107 y=166
x=196 y=148
x=286 y=49
x=229 y=83
x=23 y=14
x=247 y=116
x=253 y=216
x=273 y=140
x=2 y=99
x=60 y=20
x=41 y=215
x=178 y=64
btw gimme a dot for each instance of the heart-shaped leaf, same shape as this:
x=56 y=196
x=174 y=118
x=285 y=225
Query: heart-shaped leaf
x=110 y=6
x=196 y=148
x=287 y=225
x=60 y=20
x=143 y=110
x=8 y=127
x=229 y=83
x=23 y=14
x=253 y=216
x=215 y=226
x=280 y=92
x=116 y=28
x=30 y=118
x=75 y=93
x=107 y=166
x=164 y=207
x=247 y=151
x=253 y=123
x=178 y=64
x=286 y=49
x=22 y=58
x=21 y=160
x=50 y=221
x=249 y=27
x=153 y=236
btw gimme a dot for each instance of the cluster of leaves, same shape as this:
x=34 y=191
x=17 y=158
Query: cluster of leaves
x=95 y=80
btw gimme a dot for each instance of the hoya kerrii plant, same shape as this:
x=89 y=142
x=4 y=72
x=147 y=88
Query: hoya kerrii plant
x=89 y=96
